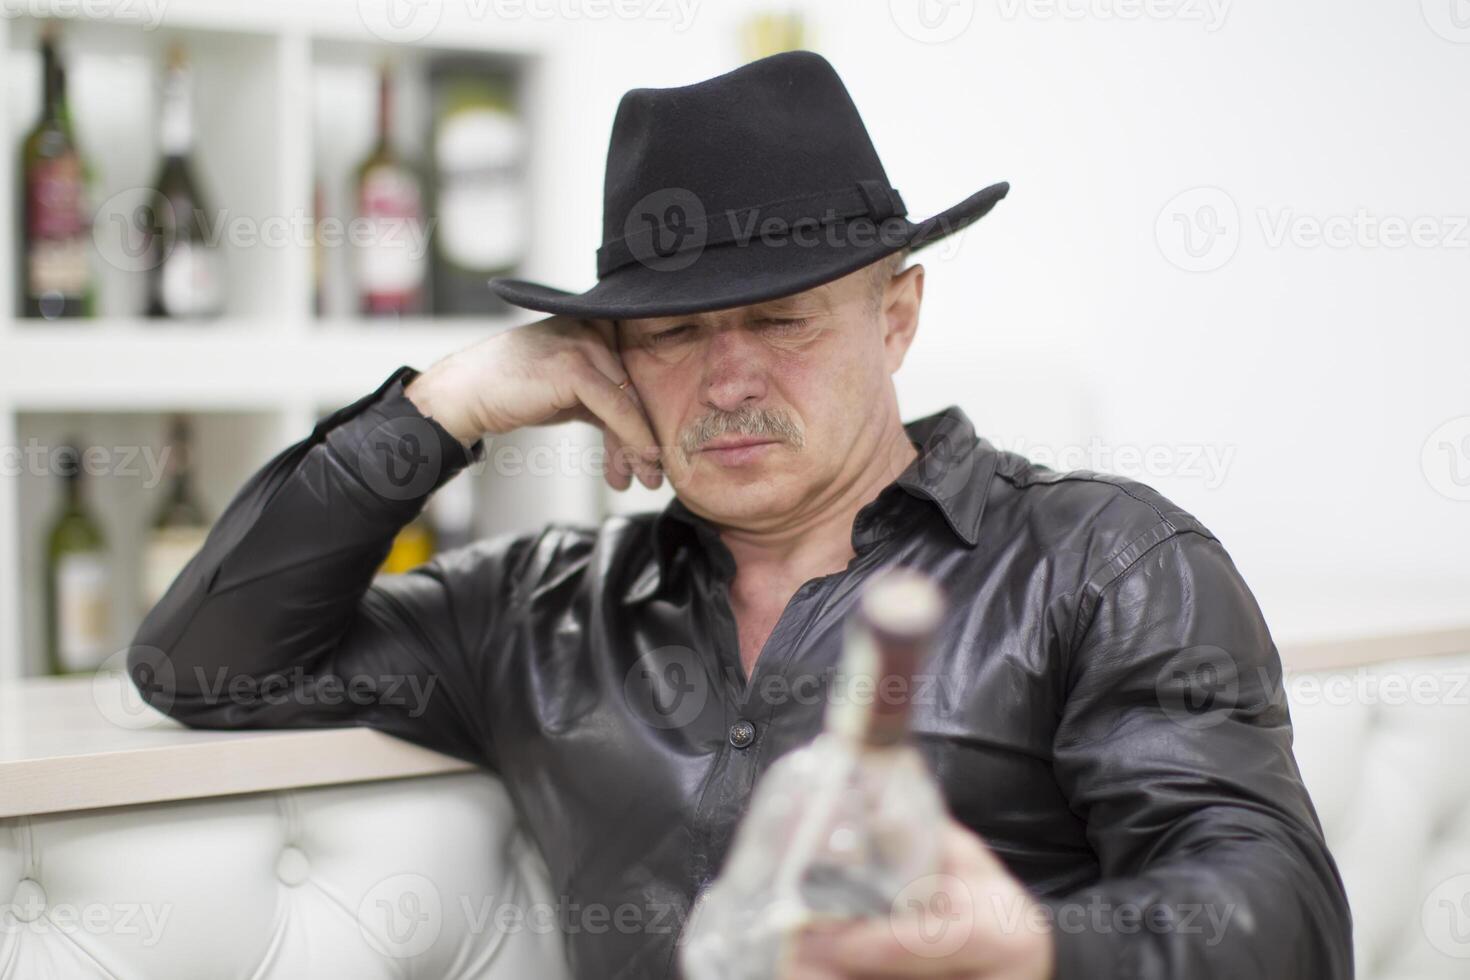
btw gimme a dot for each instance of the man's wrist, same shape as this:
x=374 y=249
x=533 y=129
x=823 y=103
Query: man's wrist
x=436 y=399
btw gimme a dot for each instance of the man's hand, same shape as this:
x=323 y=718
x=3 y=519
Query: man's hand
x=554 y=370
x=979 y=924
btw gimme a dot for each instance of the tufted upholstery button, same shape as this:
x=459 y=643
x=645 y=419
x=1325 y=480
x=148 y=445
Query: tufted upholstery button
x=30 y=900
x=292 y=867
x=742 y=733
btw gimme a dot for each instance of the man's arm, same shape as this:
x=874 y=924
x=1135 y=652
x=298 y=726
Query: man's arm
x=278 y=622
x=1175 y=746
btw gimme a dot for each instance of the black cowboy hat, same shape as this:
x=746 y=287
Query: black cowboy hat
x=754 y=184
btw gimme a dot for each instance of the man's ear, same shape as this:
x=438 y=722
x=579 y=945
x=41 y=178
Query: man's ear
x=899 y=313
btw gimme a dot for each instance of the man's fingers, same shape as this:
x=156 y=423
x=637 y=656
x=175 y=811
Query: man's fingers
x=608 y=331
x=621 y=413
x=876 y=948
x=627 y=451
x=967 y=855
x=618 y=474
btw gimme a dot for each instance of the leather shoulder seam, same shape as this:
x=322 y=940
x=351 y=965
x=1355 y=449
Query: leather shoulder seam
x=1119 y=565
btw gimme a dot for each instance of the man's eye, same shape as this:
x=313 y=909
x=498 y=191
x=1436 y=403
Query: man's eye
x=664 y=336
x=783 y=326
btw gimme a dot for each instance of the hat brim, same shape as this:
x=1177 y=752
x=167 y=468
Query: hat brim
x=729 y=275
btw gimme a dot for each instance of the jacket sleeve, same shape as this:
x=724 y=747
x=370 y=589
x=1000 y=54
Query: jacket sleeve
x=1175 y=746
x=279 y=621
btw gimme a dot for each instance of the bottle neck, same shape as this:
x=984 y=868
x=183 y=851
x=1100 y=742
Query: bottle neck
x=887 y=639
x=385 y=111
x=179 y=463
x=176 y=120
x=72 y=494
x=54 y=99
x=874 y=707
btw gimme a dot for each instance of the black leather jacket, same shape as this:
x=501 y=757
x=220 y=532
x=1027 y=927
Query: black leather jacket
x=1106 y=709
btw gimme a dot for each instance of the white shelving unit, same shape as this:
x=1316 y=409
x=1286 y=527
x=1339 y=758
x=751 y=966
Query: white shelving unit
x=266 y=72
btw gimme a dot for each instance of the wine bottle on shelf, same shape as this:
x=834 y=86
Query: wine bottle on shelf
x=480 y=195
x=57 y=278
x=390 y=258
x=318 y=255
x=772 y=32
x=414 y=545
x=78 y=579
x=185 y=274
x=179 y=525
x=846 y=826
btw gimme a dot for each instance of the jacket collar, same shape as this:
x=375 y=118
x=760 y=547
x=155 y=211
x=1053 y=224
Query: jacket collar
x=952 y=473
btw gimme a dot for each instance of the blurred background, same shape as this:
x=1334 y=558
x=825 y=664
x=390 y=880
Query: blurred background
x=1232 y=264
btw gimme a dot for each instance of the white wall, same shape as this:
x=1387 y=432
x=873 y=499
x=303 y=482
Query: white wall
x=1316 y=374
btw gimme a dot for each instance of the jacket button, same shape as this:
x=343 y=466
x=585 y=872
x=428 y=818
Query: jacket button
x=742 y=733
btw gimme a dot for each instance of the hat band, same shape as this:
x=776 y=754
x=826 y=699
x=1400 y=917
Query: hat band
x=676 y=230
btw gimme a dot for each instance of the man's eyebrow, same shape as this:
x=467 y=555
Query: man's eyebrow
x=785 y=304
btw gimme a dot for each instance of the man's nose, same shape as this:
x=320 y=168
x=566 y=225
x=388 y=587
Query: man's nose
x=735 y=369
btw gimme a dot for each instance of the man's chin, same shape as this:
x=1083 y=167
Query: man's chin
x=733 y=501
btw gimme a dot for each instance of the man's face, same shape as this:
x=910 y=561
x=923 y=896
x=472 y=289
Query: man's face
x=798 y=380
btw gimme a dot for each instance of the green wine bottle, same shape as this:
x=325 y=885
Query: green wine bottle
x=57 y=279
x=185 y=271
x=79 y=580
x=180 y=526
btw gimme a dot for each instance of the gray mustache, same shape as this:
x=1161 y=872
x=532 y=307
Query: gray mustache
x=769 y=423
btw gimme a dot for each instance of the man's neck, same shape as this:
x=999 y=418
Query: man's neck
x=780 y=560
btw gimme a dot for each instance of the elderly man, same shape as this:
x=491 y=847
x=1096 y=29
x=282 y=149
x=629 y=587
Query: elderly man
x=1107 y=725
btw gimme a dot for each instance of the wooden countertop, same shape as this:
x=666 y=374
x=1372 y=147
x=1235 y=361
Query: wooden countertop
x=77 y=743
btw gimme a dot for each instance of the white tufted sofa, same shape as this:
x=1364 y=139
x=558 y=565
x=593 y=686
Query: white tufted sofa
x=430 y=877
x=420 y=877
x=1381 y=740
